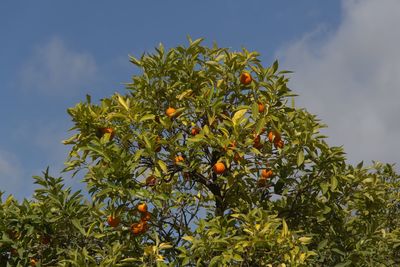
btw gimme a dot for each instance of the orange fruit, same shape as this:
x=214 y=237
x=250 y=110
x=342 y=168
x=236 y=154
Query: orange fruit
x=151 y=180
x=142 y=207
x=266 y=173
x=219 y=168
x=261 y=107
x=137 y=228
x=32 y=262
x=195 y=130
x=245 y=78
x=146 y=216
x=113 y=221
x=178 y=159
x=170 y=112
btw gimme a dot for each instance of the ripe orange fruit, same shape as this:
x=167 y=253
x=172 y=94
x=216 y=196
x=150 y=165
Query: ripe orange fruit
x=195 y=130
x=142 y=207
x=151 y=180
x=32 y=262
x=266 y=173
x=261 y=107
x=146 y=216
x=113 y=221
x=137 y=228
x=219 y=168
x=245 y=78
x=178 y=159
x=170 y=112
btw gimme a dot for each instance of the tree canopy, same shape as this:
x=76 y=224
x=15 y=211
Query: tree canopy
x=205 y=161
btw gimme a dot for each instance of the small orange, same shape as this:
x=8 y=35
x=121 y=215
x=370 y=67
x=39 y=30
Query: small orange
x=146 y=216
x=195 y=131
x=245 y=78
x=113 y=221
x=266 y=173
x=261 y=107
x=170 y=112
x=32 y=262
x=178 y=159
x=137 y=228
x=142 y=207
x=219 y=168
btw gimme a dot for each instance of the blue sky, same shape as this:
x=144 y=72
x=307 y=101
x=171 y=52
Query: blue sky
x=53 y=53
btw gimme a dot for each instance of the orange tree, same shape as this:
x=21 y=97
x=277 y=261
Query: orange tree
x=205 y=162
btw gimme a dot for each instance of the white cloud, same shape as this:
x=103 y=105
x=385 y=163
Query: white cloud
x=351 y=79
x=54 y=69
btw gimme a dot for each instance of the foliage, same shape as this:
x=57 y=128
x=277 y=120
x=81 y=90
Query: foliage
x=188 y=110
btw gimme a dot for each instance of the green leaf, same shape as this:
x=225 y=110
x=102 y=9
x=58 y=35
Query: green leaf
x=78 y=226
x=122 y=102
x=334 y=183
x=322 y=244
x=238 y=116
x=147 y=117
x=300 y=158
x=343 y=264
x=163 y=166
x=305 y=240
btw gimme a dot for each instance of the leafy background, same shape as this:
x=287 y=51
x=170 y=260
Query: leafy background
x=52 y=54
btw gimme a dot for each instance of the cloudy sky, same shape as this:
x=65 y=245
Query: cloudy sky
x=343 y=54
